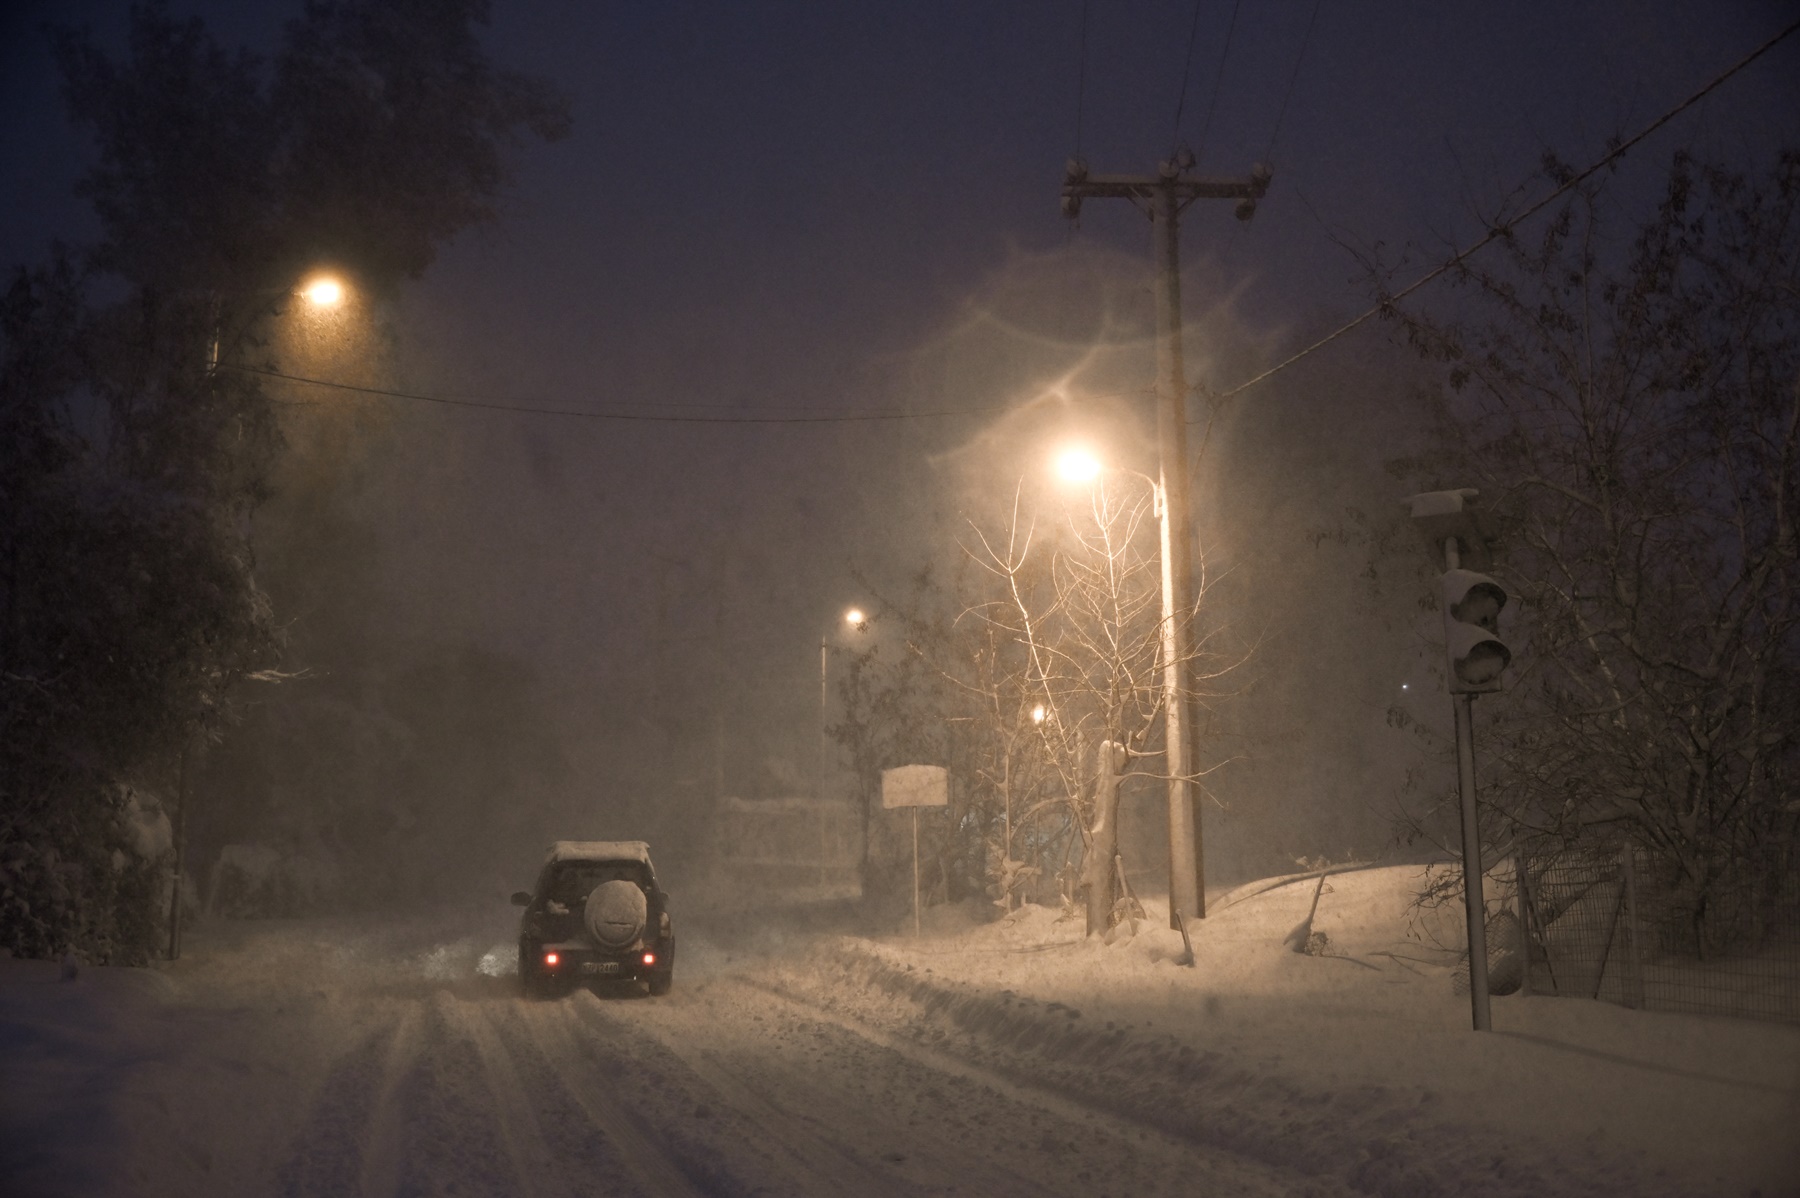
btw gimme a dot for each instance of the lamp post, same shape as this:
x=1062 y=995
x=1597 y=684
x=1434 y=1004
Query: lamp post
x=1187 y=892
x=856 y=621
x=321 y=291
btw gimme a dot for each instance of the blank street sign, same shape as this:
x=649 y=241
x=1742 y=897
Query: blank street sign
x=915 y=786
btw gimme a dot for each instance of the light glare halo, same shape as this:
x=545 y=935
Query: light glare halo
x=1077 y=466
x=324 y=293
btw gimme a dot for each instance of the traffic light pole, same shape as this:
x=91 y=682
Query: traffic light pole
x=1474 y=901
x=1163 y=196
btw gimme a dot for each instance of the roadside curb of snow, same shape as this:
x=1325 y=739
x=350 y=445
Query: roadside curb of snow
x=1371 y=1139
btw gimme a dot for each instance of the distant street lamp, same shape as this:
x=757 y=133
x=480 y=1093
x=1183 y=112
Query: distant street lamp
x=856 y=621
x=1187 y=896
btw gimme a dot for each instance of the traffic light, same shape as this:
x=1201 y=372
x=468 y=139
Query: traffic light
x=1477 y=655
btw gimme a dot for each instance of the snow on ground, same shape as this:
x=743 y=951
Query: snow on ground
x=1366 y=1050
x=59 y=1042
x=342 y=1057
x=334 y=1059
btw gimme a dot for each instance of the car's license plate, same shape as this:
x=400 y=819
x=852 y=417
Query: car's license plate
x=599 y=967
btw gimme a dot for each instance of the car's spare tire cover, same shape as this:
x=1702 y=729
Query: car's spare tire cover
x=615 y=913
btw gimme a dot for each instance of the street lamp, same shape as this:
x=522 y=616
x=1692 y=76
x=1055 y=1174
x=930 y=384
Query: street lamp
x=856 y=621
x=1078 y=465
x=320 y=290
x=1187 y=889
x=323 y=291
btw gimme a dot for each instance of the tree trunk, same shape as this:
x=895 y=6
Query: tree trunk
x=1097 y=874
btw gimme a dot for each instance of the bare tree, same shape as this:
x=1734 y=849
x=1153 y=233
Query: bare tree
x=1630 y=410
x=1044 y=673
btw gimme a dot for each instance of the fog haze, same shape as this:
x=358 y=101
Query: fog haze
x=513 y=626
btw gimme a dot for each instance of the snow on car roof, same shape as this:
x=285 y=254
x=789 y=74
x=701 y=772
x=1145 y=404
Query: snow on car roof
x=600 y=850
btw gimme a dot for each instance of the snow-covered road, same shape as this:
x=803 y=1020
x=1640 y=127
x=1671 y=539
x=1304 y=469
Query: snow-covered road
x=319 y=1060
x=396 y=1057
x=723 y=1089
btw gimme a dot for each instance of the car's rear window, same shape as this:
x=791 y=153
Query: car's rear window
x=570 y=882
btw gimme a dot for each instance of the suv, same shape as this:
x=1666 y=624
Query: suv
x=597 y=915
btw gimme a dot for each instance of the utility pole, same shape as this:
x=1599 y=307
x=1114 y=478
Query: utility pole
x=1163 y=197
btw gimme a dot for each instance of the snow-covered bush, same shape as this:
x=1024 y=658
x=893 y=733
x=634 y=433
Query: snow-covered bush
x=95 y=881
x=255 y=881
x=129 y=609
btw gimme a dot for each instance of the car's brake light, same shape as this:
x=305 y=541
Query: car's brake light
x=649 y=958
x=551 y=958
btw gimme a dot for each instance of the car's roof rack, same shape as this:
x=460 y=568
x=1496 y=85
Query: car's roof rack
x=600 y=850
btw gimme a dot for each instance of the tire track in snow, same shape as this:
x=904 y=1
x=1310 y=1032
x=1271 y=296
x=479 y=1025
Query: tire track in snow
x=380 y=1172
x=756 y=1134
x=908 y=1123
x=1216 y=1166
x=326 y=1157
x=526 y=1148
x=448 y=1142
x=811 y=1160
x=547 y=1032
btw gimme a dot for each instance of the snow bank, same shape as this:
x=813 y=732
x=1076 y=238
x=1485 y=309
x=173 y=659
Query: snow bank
x=61 y=1126
x=1357 y=1065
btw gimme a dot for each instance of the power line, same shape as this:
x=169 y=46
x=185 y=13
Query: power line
x=1081 y=81
x=590 y=414
x=1506 y=227
x=1218 y=82
x=1281 y=114
x=1187 y=67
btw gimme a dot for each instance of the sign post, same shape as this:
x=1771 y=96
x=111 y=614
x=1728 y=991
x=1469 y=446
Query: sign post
x=915 y=786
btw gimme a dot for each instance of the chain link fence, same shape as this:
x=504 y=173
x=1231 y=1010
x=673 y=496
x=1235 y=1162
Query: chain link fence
x=1623 y=926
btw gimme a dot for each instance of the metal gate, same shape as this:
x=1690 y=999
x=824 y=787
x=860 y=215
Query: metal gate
x=1619 y=926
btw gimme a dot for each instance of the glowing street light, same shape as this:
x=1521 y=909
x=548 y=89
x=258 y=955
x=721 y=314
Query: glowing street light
x=320 y=291
x=323 y=292
x=1077 y=465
